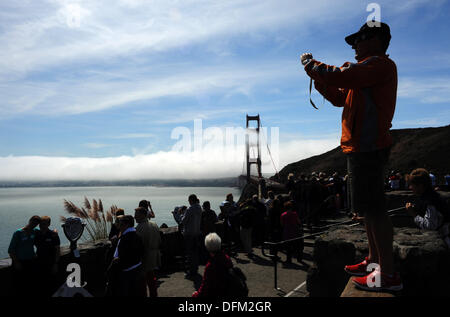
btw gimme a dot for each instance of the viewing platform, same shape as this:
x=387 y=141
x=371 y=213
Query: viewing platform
x=258 y=269
x=352 y=291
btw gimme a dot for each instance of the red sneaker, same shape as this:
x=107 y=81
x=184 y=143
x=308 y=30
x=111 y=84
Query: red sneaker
x=378 y=281
x=359 y=269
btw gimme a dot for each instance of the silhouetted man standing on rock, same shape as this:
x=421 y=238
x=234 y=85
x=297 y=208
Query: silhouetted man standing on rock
x=367 y=91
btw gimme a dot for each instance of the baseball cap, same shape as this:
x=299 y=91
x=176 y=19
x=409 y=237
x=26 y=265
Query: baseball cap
x=369 y=31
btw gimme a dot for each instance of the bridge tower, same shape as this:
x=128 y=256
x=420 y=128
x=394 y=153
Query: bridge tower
x=253 y=160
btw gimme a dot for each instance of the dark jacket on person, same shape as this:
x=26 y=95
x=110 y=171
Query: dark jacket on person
x=274 y=217
x=261 y=211
x=248 y=217
x=114 y=232
x=130 y=250
x=46 y=246
x=215 y=277
x=191 y=220
x=208 y=223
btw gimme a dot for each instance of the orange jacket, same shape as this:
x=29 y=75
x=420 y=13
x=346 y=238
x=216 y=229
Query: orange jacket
x=367 y=90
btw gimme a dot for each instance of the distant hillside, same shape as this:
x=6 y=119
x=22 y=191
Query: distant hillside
x=218 y=182
x=412 y=148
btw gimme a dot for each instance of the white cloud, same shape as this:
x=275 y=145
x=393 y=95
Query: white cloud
x=427 y=122
x=425 y=89
x=210 y=162
x=133 y=136
x=438 y=119
x=99 y=92
x=181 y=116
x=61 y=32
x=108 y=42
x=96 y=145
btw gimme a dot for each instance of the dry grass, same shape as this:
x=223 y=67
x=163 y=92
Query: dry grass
x=98 y=222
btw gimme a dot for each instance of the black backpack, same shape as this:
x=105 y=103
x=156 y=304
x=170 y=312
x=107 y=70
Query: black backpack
x=236 y=285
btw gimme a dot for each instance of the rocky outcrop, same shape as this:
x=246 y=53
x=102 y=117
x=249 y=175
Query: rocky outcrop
x=421 y=258
x=412 y=148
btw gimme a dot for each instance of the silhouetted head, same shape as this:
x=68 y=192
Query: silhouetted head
x=419 y=181
x=206 y=205
x=288 y=205
x=44 y=223
x=193 y=199
x=125 y=222
x=33 y=222
x=144 y=204
x=140 y=214
x=373 y=38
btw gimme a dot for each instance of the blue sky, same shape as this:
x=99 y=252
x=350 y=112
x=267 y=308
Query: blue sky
x=95 y=89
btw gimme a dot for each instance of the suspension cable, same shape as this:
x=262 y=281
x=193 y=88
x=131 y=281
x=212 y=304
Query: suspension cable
x=268 y=149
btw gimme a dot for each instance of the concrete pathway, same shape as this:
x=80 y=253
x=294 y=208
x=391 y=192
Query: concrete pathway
x=260 y=276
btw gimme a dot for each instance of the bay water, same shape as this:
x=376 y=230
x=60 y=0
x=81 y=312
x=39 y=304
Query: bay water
x=17 y=205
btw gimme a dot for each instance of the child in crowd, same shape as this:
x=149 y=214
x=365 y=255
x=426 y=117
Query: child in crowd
x=431 y=211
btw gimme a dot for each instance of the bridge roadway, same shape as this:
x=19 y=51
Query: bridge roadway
x=260 y=276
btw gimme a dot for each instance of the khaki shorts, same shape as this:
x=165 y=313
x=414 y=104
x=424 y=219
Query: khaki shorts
x=366 y=171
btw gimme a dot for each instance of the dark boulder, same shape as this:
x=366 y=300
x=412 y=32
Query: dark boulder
x=421 y=257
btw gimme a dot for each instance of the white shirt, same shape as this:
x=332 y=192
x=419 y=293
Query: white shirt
x=432 y=219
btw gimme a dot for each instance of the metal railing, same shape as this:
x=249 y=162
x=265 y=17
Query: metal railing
x=275 y=246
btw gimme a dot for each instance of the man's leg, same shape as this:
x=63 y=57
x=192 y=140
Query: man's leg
x=187 y=253
x=190 y=251
x=373 y=250
x=288 y=249
x=382 y=235
x=381 y=225
x=125 y=284
x=378 y=223
x=358 y=191
x=195 y=252
x=300 y=248
x=244 y=239
x=152 y=283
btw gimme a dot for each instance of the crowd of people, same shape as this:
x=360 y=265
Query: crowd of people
x=317 y=195
x=396 y=180
x=135 y=255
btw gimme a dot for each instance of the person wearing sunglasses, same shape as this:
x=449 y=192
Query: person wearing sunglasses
x=367 y=92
